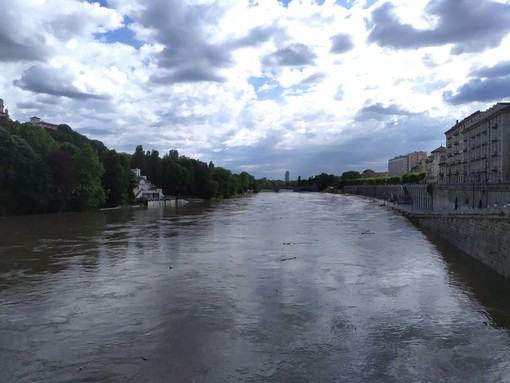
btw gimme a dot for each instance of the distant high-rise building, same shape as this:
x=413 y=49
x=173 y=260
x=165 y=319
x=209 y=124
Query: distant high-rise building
x=287 y=176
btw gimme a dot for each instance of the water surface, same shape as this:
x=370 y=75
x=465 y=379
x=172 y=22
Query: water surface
x=279 y=287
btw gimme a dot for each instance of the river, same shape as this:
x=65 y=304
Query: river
x=277 y=287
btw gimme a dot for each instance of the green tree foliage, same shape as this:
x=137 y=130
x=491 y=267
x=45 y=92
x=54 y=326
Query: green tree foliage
x=88 y=193
x=226 y=182
x=118 y=179
x=23 y=177
x=351 y=175
x=138 y=159
x=413 y=178
x=50 y=170
x=323 y=180
x=41 y=142
x=63 y=179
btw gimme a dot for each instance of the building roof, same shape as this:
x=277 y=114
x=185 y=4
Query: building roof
x=440 y=149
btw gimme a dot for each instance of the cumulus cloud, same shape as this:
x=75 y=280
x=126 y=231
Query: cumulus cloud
x=186 y=33
x=501 y=69
x=341 y=43
x=378 y=111
x=486 y=84
x=469 y=25
x=293 y=55
x=257 y=86
x=53 y=81
x=480 y=90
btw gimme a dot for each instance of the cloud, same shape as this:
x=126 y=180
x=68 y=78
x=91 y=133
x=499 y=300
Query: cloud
x=257 y=86
x=186 y=34
x=341 y=43
x=486 y=84
x=292 y=55
x=479 y=90
x=257 y=36
x=187 y=73
x=52 y=81
x=314 y=78
x=378 y=111
x=469 y=25
x=501 y=69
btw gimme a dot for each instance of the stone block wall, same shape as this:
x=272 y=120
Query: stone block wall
x=486 y=238
x=490 y=198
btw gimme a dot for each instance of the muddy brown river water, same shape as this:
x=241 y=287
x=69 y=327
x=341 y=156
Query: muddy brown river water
x=278 y=287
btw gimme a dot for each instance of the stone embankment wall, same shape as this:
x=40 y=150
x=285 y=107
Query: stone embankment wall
x=479 y=198
x=473 y=217
x=484 y=237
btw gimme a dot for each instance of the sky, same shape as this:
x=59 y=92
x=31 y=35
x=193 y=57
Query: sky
x=262 y=86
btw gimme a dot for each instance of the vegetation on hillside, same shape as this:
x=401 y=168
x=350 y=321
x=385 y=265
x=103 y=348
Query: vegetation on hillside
x=44 y=170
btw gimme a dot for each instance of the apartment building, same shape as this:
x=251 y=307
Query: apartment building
x=478 y=148
x=398 y=166
x=412 y=162
x=432 y=164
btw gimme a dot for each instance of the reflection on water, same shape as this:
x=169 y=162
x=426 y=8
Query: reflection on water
x=281 y=287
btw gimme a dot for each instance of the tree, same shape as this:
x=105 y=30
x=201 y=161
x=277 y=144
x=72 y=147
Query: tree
x=41 y=142
x=89 y=193
x=63 y=179
x=351 y=175
x=175 y=178
x=23 y=177
x=118 y=179
x=138 y=159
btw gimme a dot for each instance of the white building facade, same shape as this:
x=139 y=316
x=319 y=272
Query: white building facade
x=478 y=148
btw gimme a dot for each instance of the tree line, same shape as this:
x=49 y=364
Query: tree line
x=331 y=182
x=180 y=175
x=45 y=170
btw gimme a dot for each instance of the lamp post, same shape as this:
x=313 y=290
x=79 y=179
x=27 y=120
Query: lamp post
x=486 y=184
x=473 y=197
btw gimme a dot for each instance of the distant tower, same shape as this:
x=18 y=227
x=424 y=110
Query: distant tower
x=2 y=112
x=287 y=176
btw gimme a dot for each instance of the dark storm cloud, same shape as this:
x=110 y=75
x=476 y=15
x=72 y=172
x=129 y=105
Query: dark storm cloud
x=486 y=84
x=482 y=90
x=51 y=81
x=188 y=53
x=341 y=43
x=190 y=73
x=16 y=47
x=292 y=55
x=499 y=70
x=470 y=25
x=379 y=112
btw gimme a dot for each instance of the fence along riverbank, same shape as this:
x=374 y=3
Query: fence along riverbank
x=473 y=217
